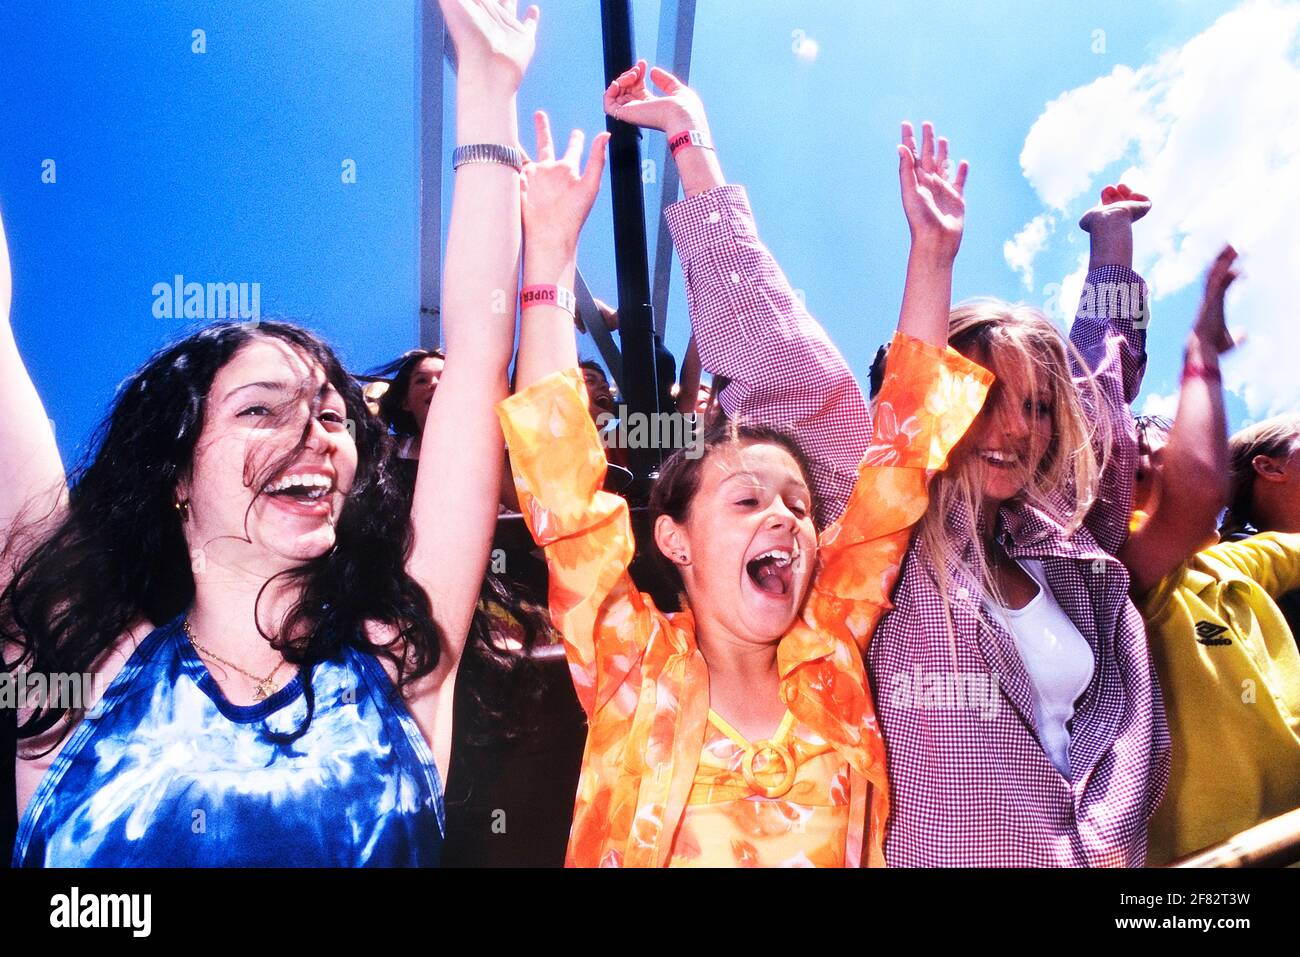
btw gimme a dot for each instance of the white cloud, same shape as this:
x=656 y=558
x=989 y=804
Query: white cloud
x=1028 y=243
x=1211 y=131
x=805 y=47
x=1166 y=405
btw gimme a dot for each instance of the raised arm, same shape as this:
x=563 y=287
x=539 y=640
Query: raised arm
x=1193 y=485
x=556 y=201
x=455 y=503
x=1109 y=335
x=688 y=383
x=749 y=325
x=936 y=215
x=557 y=458
x=33 y=486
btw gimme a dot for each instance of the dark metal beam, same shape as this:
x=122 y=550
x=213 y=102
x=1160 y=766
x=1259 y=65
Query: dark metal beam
x=676 y=37
x=635 y=320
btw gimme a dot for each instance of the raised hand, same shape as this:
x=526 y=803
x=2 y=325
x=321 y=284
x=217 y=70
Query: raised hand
x=1210 y=326
x=1109 y=225
x=629 y=100
x=489 y=37
x=934 y=205
x=1119 y=205
x=556 y=197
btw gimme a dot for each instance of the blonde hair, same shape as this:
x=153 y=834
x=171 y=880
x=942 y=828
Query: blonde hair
x=1015 y=342
x=1276 y=437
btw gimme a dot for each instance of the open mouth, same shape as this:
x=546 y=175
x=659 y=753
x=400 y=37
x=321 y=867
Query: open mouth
x=772 y=572
x=1000 y=459
x=303 y=489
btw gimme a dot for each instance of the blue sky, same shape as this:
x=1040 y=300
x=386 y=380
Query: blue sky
x=225 y=166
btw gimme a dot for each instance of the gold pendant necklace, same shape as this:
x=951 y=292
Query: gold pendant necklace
x=263 y=688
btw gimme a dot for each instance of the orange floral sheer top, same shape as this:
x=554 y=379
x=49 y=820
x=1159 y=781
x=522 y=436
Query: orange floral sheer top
x=659 y=782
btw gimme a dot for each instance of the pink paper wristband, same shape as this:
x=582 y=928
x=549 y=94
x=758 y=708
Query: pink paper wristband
x=540 y=294
x=1195 y=370
x=688 y=138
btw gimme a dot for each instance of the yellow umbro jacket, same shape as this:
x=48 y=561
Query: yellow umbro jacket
x=1230 y=670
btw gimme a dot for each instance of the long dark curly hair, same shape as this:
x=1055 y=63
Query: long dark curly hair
x=118 y=554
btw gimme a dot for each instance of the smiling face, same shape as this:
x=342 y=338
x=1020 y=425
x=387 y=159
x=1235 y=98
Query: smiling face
x=424 y=382
x=747 y=547
x=253 y=442
x=599 y=397
x=1011 y=435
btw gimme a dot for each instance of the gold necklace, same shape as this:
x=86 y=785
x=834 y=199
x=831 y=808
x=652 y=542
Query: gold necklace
x=262 y=687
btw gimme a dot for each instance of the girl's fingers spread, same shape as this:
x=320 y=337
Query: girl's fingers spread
x=906 y=168
x=909 y=138
x=595 y=163
x=927 y=146
x=960 y=180
x=942 y=158
x=574 y=149
x=542 y=126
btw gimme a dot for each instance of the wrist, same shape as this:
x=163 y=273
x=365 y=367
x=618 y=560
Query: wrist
x=1202 y=349
x=933 y=253
x=549 y=262
x=1201 y=368
x=548 y=295
x=683 y=119
x=488 y=77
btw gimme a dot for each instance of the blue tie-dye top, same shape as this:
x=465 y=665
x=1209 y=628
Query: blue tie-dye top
x=164 y=771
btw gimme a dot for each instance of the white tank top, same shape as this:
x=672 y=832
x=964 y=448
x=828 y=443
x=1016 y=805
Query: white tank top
x=1058 y=660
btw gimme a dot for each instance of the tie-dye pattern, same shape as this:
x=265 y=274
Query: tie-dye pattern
x=164 y=771
x=638 y=672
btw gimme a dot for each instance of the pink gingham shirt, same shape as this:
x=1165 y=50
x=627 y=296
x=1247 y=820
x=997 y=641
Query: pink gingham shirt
x=751 y=328
x=971 y=785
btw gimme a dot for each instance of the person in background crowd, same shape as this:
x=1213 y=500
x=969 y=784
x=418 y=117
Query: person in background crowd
x=693 y=396
x=277 y=640
x=373 y=390
x=405 y=404
x=1264 y=463
x=702 y=751
x=1227 y=661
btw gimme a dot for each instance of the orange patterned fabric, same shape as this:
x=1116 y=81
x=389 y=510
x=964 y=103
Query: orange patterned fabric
x=638 y=672
x=727 y=823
